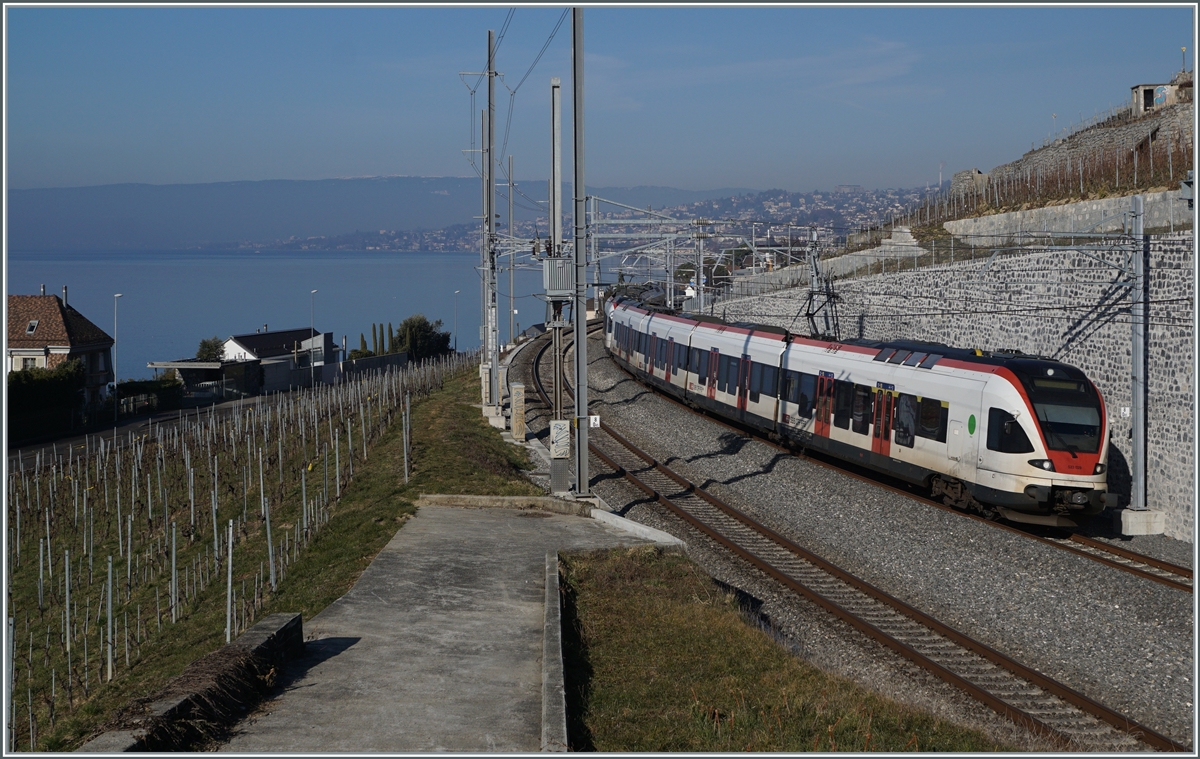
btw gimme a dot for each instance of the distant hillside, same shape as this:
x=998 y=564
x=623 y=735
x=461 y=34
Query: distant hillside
x=146 y=217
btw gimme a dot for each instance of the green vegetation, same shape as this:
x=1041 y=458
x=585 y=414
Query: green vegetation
x=44 y=401
x=454 y=450
x=211 y=349
x=659 y=658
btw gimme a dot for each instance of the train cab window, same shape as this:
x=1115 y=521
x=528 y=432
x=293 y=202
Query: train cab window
x=929 y=361
x=933 y=421
x=908 y=407
x=899 y=356
x=1005 y=434
x=862 y=409
x=914 y=359
x=843 y=402
x=884 y=354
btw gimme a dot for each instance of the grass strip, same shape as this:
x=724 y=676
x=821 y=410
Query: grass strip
x=658 y=657
x=454 y=451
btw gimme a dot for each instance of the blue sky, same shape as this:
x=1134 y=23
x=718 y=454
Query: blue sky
x=798 y=98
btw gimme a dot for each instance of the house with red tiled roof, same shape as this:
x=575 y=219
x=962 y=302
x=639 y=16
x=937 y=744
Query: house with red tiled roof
x=45 y=332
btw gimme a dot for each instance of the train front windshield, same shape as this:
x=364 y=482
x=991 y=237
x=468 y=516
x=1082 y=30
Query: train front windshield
x=1068 y=411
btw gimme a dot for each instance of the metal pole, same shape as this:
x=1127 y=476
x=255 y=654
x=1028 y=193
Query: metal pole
x=110 y=621
x=512 y=259
x=312 y=322
x=1141 y=251
x=116 y=407
x=229 y=586
x=580 y=249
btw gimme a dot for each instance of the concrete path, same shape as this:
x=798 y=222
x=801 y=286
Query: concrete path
x=438 y=645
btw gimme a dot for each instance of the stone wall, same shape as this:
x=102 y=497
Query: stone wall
x=1060 y=304
x=1173 y=120
x=1164 y=211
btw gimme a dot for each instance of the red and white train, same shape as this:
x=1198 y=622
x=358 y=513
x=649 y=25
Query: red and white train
x=1004 y=434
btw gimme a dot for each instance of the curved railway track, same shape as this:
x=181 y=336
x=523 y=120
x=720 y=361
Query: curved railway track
x=1013 y=690
x=1146 y=567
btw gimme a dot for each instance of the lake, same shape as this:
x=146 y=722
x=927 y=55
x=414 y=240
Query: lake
x=170 y=300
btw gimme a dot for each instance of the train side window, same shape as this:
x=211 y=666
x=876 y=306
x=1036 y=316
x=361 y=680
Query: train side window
x=722 y=372
x=702 y=371
x=933 y=420
x=861 y=410
x=755 y=380
x=843 y=401
x=808 y=395
x=1005 y=433
x=770 y=381
x=733 y=367
x=905 y=424
x=681 y=357
x=661 y=350
x=791 y=387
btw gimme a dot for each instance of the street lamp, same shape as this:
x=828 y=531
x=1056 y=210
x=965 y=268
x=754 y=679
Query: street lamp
x=312 y=296
x=116 y=408
x=456 y=292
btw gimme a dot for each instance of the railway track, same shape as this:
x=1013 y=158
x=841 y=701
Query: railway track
x=1013 y=690
x=1122 y=559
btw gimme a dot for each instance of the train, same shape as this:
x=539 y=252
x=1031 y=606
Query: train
x=1000 y=433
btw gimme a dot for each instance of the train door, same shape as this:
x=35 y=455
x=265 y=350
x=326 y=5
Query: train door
x=714 y=358
x=670 y=358
x=743 y=382
x=652 y=354
x=881 y=434
x=962 y=447
x=824 y=403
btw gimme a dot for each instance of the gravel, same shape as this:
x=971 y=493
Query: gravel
x=1123 y=641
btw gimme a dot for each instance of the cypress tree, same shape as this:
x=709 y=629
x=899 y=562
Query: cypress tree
x=391 y=339
x=374 y=340
x=362 y=342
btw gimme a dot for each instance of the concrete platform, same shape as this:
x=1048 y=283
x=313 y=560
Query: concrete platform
x=437 y=647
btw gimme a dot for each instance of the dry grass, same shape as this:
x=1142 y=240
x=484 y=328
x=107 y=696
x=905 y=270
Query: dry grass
x=660 y=658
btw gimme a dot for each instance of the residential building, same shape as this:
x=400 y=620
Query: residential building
x=44 y=331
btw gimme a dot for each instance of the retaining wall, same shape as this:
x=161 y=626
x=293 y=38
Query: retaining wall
x=1061 y=304
x=1164 y=211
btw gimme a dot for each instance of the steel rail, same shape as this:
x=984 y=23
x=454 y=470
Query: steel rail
x=1063 y=692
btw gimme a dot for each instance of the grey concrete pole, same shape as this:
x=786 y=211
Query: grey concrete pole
x=580 y=248
x=493 y=335
x=1141 y=245
x=555 y=166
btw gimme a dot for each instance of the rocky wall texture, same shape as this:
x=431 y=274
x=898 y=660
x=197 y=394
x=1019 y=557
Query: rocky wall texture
x=1062 y=304
x=1173 y=123
x=1164 y=210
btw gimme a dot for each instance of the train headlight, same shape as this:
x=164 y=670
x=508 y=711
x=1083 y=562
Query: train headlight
x=1045 y=464
x=1099 y=469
